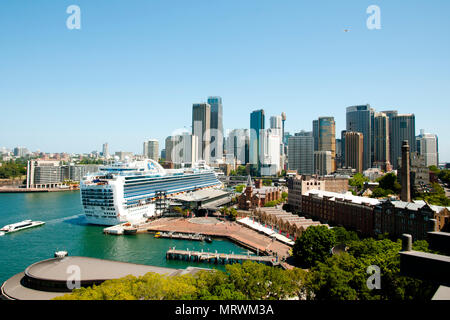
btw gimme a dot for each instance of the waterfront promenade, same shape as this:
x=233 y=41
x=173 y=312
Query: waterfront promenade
x=223 y=229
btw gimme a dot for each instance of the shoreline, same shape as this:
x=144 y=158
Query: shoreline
x=34 y=190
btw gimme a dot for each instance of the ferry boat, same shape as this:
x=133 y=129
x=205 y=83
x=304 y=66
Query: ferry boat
x=131 y=191
x=26 y=224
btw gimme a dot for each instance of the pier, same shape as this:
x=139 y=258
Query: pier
x=218 y=258
x=182 y=236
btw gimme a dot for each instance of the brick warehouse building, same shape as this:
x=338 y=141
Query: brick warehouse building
x=258 y=196
x=371 y=217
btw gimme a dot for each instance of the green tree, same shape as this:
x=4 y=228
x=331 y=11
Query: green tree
x=241 y=171
x=12 y=169
x=389 y=182
x=267 y=182
x=233 y=214
x=314 y=246
x=343 y=236
x=358 y=181
x=344 y=276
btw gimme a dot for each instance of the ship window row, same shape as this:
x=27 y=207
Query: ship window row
x=163 y=186
x=169 y=183
x=97 y=197
x=171 y=191
x=157 y=180
x=153 y=189
x=165 y=178
x=91 y=191
x=167 y=189
x=97 y=204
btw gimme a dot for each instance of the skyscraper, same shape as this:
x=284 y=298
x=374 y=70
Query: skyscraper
x=182 y=149
x=151 y=149
x=390 y=114
x=301 y=153
x=315 y=133
x=354 y=150
x=105 y=150
x=217 y=136
x=257 y=124
x=327 y=138
x=201 y=124
x=343 y=148
x=238 y=145
x=403 y=128
x=322 y=162
x=381 y=141
x=427 y=146
x=270 y=152
x=276 y=124
x=360 y=119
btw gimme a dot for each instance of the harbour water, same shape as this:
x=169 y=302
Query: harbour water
x=66 y=229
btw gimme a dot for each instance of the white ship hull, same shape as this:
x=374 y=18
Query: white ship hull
x=33 y=224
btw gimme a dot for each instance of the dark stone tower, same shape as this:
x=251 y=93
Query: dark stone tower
x=406 y=184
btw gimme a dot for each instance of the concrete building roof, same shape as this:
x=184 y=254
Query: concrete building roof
x=91 y=269
x=200 y=195
x=442 y=293
x=56 y=270
x=347 y=196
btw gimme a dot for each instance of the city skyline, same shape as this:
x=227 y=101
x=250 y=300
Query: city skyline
x=293 y=58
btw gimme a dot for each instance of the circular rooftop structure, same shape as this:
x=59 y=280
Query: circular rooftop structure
x=50 y=278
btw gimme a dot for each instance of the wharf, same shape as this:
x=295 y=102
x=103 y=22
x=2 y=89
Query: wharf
x=218 y=258
x=182 y=236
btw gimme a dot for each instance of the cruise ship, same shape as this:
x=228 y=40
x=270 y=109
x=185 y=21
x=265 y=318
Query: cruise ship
x=128 y=191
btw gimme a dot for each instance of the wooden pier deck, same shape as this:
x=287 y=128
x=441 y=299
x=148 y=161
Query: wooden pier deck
x=218 y=258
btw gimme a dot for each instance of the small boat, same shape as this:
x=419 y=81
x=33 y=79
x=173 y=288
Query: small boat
x=60 y=254
x=2 y=233
x=158 y=235
x=26 y=224
x=129 y=230
x=208 y=239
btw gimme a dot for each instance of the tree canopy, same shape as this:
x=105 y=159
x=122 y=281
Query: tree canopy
x=358 y=181
x=12 y=169
x=313 y=246
x=239 y=282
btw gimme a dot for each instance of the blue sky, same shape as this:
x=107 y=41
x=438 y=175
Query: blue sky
x=134 y=69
